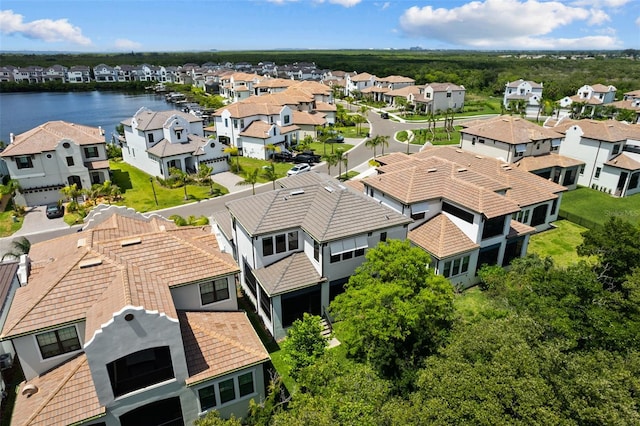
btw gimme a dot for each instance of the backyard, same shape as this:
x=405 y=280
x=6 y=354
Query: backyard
x=559 y=243
x=588 y=207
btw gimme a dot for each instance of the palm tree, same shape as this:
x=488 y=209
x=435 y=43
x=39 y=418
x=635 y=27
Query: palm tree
x=342 y=158
x=364 y=110
x=384 y=141
x=181 y=178
x=331 y=160
x=271 y=148
x=204 y=173
x=358 y=119
x=19 y=247
x=11 y=188
x=402 y=103
x=376 y=141
x=71 y=193
x=234 y=152
x=269 y=173
x=251 y=179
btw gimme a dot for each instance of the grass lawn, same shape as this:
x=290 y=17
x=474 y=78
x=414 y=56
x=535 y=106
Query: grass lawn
x=559 y=243
x=137 y=191
x=473 y=304
x=7 y=224
x=595 y=206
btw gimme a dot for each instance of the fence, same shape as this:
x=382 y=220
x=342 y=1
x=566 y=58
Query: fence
x=579 y=220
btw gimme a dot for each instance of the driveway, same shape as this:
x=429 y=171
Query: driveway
x=36 y=221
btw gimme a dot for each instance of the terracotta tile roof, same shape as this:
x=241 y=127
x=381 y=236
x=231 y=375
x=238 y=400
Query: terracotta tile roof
x=511 y=130
x=311 y=87
x=363 y=76
x=517 y=229
x=395 y=79
x=602 y=88
x=629 y=104
x=606 y=131
x=633 y=94
x=66 y=395
x=441 y=237
x=519 y=82
x=223 y=219
x=164 y=148
x=545 y=161
x=357 y=185
x=323 y=106
x=119 y=260
x=150 y=120
x=274 y=83
x=326 y=211
x=291 y=273
x=444 y=87
x=97 y=165
x=217 y=343
x=47 y=136
x=375 y=89
x=309 y=119
x=248 y=109
x=626 y=161
x=257 y=129
x=405 y=91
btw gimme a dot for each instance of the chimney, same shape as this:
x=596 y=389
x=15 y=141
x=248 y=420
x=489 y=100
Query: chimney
x=24 y=267
x=11 y=137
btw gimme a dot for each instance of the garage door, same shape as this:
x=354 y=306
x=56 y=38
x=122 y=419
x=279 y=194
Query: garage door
x=38 y=197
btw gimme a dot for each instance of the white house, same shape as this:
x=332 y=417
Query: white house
x=588 y=97
x=467 y=210
x=155 y=142
x=53 y=155
x=630 y=101
x=610 y=151
x=358 y=82
x=440 y=97
x=297 y=246
x=105 y=74
x=528 y=91
x=516 y=140
x=132 y=321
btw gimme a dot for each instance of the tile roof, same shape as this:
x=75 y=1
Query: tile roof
x=291 y=273
x=598 y=87
x=223 y=219
x=97 y=165
x=248 y=109
x=606 y=131
x=66 y=395
x=117 y=260
x=274 y=83
x=151 y=120
x=546 y=161
x=47 y=136
x=626 y=161
x=444 y=87
x=395 y=79
x=257 y=129
x=511 y=130
x=326 y=211
x=309 y=119
x=405 y=91
x=629 y=104
x=517 y=229
x=217 y=343
x=363 y=76
x=441 y=237
x=519 y=82
x=165 y=148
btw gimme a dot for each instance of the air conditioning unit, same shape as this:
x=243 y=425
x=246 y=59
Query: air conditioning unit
x=6 y=361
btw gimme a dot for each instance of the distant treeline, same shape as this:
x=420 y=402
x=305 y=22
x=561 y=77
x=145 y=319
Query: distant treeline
x=58 y=86
x=480 y=72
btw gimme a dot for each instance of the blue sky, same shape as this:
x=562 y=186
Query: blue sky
x=187 y=25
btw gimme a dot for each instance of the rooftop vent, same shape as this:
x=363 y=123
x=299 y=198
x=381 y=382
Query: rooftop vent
x=90 y=262
x=82 y=242
x=480 y=157
x=297 y=192
x=29 y=390
x=432 y=170
x=459 y=151
x=130 y=242
x=462 y=169
x=329 y=189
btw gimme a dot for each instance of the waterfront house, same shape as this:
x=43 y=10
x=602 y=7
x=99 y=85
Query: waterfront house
x=79 y=74
x=53 y=155
x=156 y=141
x=105 y=74
x=467 y=210
x=132 y=321
x=298 y=245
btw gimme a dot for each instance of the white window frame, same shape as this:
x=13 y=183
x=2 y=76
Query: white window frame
x=236 y=388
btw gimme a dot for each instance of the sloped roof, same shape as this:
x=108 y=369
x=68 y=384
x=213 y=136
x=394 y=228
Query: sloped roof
x=249 y=109
x=326 y=211
x=626 y=161
x=444 y=87
x=309 y=119
x=151 y=120
x=291 y=273
x=395 y=79
x=511 y=130
x=257 y=129
x=405 y=91
x=606 y=131
x=66 y=395
x=363 y=76
x=441 y=237
x=552 y=159
x=8 y=272
x=118 y=260
x=165 y=148
x=47 y=136
x=519 y=82
x=216 y=343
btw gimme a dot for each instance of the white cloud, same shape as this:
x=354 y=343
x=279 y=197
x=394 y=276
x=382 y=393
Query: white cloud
x=281 y=1
x=600 y=3
x=345 y=3
x=123 y=43
x=638 y=21
x=383 y=6
x=504 y=24
x=42 y=29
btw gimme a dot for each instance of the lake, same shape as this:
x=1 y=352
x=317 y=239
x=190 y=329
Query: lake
x=20 y=112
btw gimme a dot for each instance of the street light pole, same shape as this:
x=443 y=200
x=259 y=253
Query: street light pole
x=153 y=188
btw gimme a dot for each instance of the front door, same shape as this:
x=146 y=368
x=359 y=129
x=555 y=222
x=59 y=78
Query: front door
x=621 y=182
x=75 y=179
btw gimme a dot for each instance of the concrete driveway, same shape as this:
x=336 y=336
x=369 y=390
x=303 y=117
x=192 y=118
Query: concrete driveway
x=36 y=221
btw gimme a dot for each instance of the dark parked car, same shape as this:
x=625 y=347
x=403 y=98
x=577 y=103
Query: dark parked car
x=306 y=157
x=384 y=115
x=283 y=157
x=337 y=138
x=53 y=211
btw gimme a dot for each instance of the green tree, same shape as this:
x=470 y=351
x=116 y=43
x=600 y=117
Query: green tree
x=373 y=143
x=269 y=173
x=359 y=120
x=233 y=151
x=11 y=188
x=402 y=103
x=304 y=343
x=181 y=178
x=19 y=246
x=71 y=193
x=270 y=150
x=395 y=310
x=617 y=247
x=212 y=418
x=331 y=160
x=204 y=175
x=250 y=179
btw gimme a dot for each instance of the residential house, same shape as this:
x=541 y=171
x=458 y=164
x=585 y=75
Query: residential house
x=53 y=155
x=105 y=74
x=9 y=283
x=358 y=82
x=439 y=97
x=409 y=93
x=468 y=210
x=297 y=246
x=6 y=73
x=55 y=73
x=79 y=74
x=156 y=141
x=516 y=140
x=383 y=85
x=254 y=127
x=237 y=86
x=588 y=98
x=610 y=151
x=30 y=74
x=132 y=321
x=630 y=101
x=523 y=90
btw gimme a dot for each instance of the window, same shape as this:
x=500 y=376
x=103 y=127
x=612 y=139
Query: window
x=457 y=212
x=448 y=94
x=58 y=342
x=481 y=140
x=227 y=391
x=245 y=384
x=334 y=258
x=582 y=169
x=178 y=134
x=150 y=138
x=214 y=291
x=267 y=246
x=286 y=119
x=418 y=216
x=519 y=154
x=292 y=238
x=455 y=267
x=226 y=122
x=598 y=170
x=91 y=152
x=281 y=243
x=493 y=227
x=24 y=162
x=347 y=255
x=207 y=397
x=359 y=252
x=383 y=237
x=140 y=369
x=316 y=251
x=70 y=161
x=616 y=149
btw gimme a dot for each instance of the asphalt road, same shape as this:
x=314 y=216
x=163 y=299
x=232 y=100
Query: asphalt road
x=359 y=155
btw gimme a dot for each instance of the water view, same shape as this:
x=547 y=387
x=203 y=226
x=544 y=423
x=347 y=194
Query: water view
x=20 y=112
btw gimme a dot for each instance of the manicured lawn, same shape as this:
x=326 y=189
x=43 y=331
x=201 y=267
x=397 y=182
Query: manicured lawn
x=137 y=191
x=7 y=224
x=473 y=304
x=559 y=243
x=595 y=206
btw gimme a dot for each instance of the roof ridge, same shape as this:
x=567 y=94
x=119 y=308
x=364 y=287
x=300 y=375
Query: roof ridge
x=190 y=243
x=59 y=386
x=289 y=261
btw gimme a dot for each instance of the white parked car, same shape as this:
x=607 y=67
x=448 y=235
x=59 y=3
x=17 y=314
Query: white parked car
x=300 y=168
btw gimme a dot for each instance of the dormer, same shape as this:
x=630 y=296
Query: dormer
x=176 y=129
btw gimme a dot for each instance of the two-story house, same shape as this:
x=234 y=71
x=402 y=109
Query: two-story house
x=523 y=90
x=358 y=82
x=467 y=210
x=297 y=246
x=382 y=85
x=588 y=97
x=440 y=97
x=132 y=321
x=103 y=73
x=630 y=101
x=156 y=141
x=610 y=151
x=516 y=140
x=55 y=73
x=53 y=155
x=79 y=74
